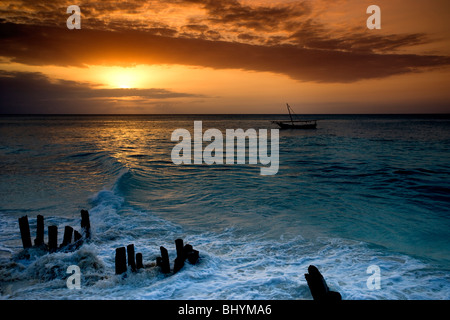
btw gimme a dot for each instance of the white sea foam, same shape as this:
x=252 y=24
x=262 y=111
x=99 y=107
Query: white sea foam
x=231 y=266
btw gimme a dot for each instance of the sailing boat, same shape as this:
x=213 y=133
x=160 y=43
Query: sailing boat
x=296 y=124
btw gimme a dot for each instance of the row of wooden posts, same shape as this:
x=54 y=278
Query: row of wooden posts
x=52 y=244
x=134 y=261
x=316 y=282
x=184 y=252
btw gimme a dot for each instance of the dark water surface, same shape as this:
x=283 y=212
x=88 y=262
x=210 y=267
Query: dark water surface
x=360 y=190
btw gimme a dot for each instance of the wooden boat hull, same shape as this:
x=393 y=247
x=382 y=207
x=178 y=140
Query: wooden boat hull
x=284 y=125
x=296 y=124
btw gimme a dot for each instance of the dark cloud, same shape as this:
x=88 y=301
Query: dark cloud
x=213 y=35
x=282 y=38
x=165 y=32
x=294 y=22
x=223 y=15
x=259 y=18
x=248 y=37
x=321 y=62
x=30 y=92
x=313 y=35
x=197 y=27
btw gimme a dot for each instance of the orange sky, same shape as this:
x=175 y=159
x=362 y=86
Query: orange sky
x=229 y=56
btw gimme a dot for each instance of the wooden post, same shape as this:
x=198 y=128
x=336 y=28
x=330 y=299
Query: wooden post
x=131 y=259
x=165 y=265
x=179 y=247
x=67 y=236
x=77 y=239
x=39 y=231
x=179 y=260
x=179 y=263
x=187 y=248
x=318 y=286
x=139 y=264
x=25 y=232
x=52 y=238
x=76 y=236
x=121 y=260
x=191 y=254
x=85 y=223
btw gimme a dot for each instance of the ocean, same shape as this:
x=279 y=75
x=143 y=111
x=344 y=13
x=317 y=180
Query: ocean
x=360 y=191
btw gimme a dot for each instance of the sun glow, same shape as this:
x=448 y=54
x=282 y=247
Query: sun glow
x=126 y=78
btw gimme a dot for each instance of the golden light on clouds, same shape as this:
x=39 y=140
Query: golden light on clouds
x=230 y=56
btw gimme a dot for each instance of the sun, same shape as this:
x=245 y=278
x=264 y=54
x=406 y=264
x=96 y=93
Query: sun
x=125 y=80
x=125 y=77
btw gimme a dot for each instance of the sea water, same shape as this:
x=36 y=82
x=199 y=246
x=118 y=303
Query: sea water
x=359 y=191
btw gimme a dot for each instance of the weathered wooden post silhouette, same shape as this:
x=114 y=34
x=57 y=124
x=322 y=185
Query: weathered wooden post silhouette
x=164 y=261
x=52 y=245
x=52 y=238
x=318 y=286
x=68 y=231
x=121 y=260
x=191 y=254
x=184 y=252
x=85 y=223
x=131 y=258
x=179 y=260
x=25 y=232
x=39 y=231
x=76 y=236
x=139 y=262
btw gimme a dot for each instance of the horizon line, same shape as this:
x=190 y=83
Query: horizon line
x=211 y=114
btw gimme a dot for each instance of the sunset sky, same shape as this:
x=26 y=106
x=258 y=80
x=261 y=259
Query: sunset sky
x=230 y=56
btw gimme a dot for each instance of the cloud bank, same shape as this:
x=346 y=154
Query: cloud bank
x=33 y=92
x=41 y=45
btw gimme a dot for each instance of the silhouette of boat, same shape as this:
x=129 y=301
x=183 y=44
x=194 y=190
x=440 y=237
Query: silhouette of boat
x=296 y=124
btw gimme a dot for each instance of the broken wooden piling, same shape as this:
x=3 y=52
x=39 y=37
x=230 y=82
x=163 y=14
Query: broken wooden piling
x=164 y=262
x=39 y=241
x=179 y=260
x=318 y=286
x=67 y=239
x=183 y=253
x=179 y=247
x=178 y=264
x=76 y=236
x=126 y=257
x=25 y=232
x=52 y=238
x=139 y=262
x=190 y=254
x=134 y=261
x=131 y=258
x=121 y=260
x=85 y=223
x=52 y=245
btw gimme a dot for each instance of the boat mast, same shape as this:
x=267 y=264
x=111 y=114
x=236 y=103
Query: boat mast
x=290 y=115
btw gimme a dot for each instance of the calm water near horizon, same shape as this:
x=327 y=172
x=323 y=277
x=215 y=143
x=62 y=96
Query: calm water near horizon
x=360 y=190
